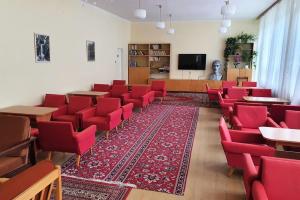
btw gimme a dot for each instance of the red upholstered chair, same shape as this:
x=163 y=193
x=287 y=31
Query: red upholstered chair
x=235 y=143
x=159 y=88
x=117 y=91
x=212 y=93
x=127 y=111
x=249 y=84
x=107 y=115
x=277 y=111
x=139 y=96
x=60 y=136
x=276 y=179
x=292 y=119
x=101 y=87
x=119 y=82
x=236 y=93
x=54 y=100
x=226 y=106
x=250 y=118
x=262 y=92
x=228 y=84
x=70 y=113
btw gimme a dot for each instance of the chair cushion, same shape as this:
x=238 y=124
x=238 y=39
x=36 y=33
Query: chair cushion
x=136 y=102
x=8 y=164
x=67 y=118
x=252 y=130
x=54 y=100
x=78 y=103
x=252 y=116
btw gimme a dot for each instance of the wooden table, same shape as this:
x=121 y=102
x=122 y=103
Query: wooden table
x=39 y=113
x=282 y=136
x=93 y=94
x=270 y=100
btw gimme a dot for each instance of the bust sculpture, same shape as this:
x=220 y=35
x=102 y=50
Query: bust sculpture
x=216 y=67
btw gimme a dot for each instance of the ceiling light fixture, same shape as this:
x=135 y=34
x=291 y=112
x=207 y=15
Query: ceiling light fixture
x=226 y=23
x=140 y=13
x=228 y=9
x=160 y=24
x=171 y=30
x=223 y=30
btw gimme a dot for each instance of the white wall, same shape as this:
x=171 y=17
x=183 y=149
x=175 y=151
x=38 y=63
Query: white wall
x=69 y=25
x=192 y=37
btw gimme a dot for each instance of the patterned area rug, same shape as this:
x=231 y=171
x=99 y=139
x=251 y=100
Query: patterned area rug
x=186 y=99
x=152 y=152
x=80 y=189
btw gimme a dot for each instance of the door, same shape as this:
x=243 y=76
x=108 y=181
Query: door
x=119 y=63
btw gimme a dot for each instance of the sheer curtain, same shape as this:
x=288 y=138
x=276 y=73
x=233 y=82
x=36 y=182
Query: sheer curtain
x=278 y=61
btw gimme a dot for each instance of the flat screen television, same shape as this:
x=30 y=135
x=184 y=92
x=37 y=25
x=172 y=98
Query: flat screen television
x=192 y=61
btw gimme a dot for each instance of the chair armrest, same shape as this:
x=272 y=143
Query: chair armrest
x=86 y=113
x=125 y=96
x=19 y=146
x=246 y=137
x=236 y=123
x=230 y=100
x=283 y=125
x=115 y=115
x=127 y=107
x=258 y=191
x=249 y=168
x=226 y=105
x=272 y=123
x=86 y=138
x=230 y=111
x=60 y=111
x=145 y=98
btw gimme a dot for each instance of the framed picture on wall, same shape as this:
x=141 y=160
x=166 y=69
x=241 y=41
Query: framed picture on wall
x=42 y=48
x=90 y=47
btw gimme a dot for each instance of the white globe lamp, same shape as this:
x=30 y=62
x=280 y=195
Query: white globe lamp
x=223 y=30
x=140 y=13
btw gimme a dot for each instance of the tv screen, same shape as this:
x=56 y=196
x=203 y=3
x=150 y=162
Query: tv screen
x=192 y=61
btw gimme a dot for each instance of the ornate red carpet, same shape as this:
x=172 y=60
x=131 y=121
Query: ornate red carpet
x=152 y=152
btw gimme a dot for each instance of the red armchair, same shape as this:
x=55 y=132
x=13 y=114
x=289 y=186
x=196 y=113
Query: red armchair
x=127 y=111
x=117 y=91
x=249 y=84
x=250 y=118
x=262 y=92
x=292 y=119
x=119 y=82
x=212 y=93
x=159 y=88
x=101 y=87
x=107 y=115
x=228 y=84
x=139 y=96
x=276 y=179
x=60 y=136
x=235 y=143
x=54 y=100
x=226 y=106
x=277 y=111
x=236 y=93
x=70 y=113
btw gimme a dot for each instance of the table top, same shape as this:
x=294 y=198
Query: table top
x=281 y=134
x=27 y=110
x=88 y=93
x=265 y=99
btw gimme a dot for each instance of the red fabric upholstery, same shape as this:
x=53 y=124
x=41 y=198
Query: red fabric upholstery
x=235 y=143
x=118 y=90
x=138 y=96
x=228 y=84
x=212 y=93
x=54 y=100
x=34 y=132
x=101 y=87
x=59 y=136
x=236 y=93
x=249 y=84
x=262 y=92
x=119 y=82
x=250 y=173
x=159 y=87
x=70 y=112
x=252 y=117
x=277 y=111
x=278 y=179
x=127 y=111
x=106 y=116
x=292 y=119
x=151 y=96
x=226 y=105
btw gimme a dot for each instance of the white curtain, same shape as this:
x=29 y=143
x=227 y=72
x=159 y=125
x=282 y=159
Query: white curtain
x=278 y=61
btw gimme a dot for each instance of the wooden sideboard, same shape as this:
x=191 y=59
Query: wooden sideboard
x=179 y=85
x=239 y=75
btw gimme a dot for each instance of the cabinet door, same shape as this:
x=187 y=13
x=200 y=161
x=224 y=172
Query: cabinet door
x=232 y=74
x=138 y=75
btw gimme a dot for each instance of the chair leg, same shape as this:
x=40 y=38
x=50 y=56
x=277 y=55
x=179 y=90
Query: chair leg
x=91 y=150
x=117 y=129
x=59 y=188
x=161 y=99
x=141 y=110
x=78 y=160
x=230 y=171
x=122 y=125
x=49 y=155
x=107 y=134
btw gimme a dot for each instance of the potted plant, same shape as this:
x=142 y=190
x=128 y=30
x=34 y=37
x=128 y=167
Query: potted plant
x=245 y=38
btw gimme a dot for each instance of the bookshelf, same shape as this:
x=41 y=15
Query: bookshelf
x=148 y=61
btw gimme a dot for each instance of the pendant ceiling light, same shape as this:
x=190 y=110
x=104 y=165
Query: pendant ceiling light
x=228 y=9
x=140 y=13
x=226 y=23
x=160 y=24
x=171 y=30
x=223 y=30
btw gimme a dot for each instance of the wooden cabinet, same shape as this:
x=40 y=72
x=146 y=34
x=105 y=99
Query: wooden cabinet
x=138 y=75
x=239 y=75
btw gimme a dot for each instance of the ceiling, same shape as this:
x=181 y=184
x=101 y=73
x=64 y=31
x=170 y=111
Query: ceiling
x=183 y=10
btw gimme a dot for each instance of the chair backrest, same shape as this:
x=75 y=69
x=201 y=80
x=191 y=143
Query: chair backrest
x=246 y=104
x=54 y=100
x=13 y=130
x=277 y=111
x=77 y=103
x=138 y=91
x=118 y=90
x=292 y=119
x=157 y=85
x=57 y=136
x=224 y=132
x=119 y=82
x=280 y=178
x=237 y=93
x=35 y=182
x=101 y=87
x=107 y=105
x=262 y=92
x=249 y=84
x=252 y=116
x=228 y=84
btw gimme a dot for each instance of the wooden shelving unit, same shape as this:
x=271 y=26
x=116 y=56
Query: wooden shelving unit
x=148 y=61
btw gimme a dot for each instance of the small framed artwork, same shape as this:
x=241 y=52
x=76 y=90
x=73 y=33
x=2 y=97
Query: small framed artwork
x=90 y=47
x=42 y=48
